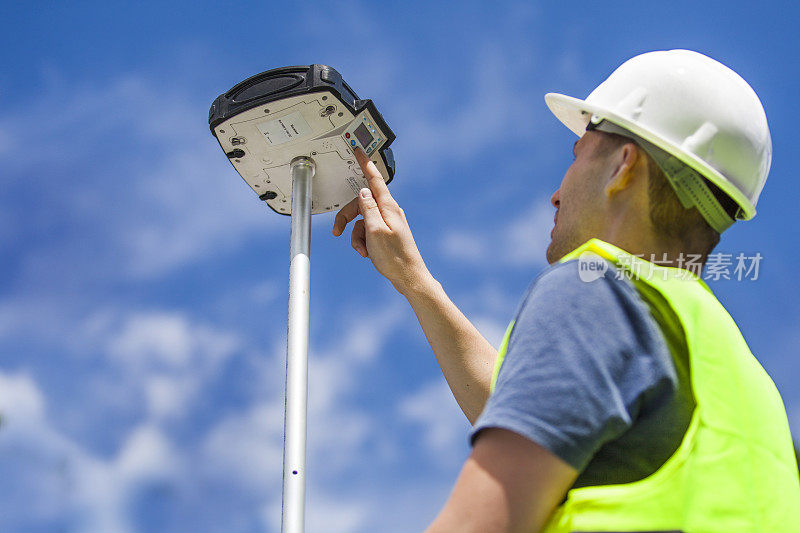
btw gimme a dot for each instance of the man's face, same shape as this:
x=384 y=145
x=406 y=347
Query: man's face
x=579 y=200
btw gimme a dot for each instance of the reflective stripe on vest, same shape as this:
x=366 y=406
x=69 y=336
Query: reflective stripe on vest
x=735 y=469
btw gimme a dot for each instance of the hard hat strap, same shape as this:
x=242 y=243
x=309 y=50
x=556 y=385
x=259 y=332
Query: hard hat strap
x=692 y=189
x=688 y=184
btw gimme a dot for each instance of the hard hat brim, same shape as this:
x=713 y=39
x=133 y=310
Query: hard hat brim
x=575 y=114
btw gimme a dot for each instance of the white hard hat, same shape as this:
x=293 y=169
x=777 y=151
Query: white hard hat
x=692 y=107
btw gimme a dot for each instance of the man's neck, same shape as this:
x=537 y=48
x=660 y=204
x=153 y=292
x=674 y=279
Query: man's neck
x=648 y=247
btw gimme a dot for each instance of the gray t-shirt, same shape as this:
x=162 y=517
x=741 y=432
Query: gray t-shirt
x=595 y=376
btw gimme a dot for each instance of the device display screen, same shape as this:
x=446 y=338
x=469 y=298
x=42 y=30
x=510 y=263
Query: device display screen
x=363 y=135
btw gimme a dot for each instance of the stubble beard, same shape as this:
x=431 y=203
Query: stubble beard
x=560 y=245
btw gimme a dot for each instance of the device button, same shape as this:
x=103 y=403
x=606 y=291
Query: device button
x=347 y=135
x=353 y=142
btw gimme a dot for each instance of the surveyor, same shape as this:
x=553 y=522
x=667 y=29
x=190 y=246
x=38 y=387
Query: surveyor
x=623 y=396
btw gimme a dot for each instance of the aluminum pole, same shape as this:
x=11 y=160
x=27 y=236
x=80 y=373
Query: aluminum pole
x=294 y=441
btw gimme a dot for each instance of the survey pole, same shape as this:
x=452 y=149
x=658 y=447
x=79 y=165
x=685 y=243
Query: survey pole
x=294 y=444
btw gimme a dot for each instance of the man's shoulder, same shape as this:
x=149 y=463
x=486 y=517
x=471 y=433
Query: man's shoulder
x=606 y=308
x=578 y=280
x=583 y=358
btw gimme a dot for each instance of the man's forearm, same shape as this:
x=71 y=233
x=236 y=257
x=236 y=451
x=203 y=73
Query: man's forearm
x=466 y=358
x=464 y=355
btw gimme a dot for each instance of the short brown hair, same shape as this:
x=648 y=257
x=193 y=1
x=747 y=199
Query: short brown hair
x=669 y=218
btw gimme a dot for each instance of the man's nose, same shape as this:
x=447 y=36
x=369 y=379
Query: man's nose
x=554 y=199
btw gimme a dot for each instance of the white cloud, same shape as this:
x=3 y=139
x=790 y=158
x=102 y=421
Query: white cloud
x=359 y=340
x=153 y=339
x=332 y=513
x=466 y=246
x=103 y=489
x=489 y=308
x=527 y=236
x=154 y=362
x=167 y=356
x=154 y=187
x=59 y=477
x=195 y=207
x=169 y=340
x=490 y=298
x=169 y=396
x=248 y=447
x=158 y=358
x=20 y=399
x=334 y=368
x=443 y=426
x=481 y=116
x=520 y=241
x=491 y=329
x=147 y=454
x=158 y=196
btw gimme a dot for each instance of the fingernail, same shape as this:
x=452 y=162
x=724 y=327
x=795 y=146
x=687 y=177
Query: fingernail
x=366 y=193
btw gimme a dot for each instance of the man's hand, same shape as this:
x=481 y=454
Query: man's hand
x=383 y=234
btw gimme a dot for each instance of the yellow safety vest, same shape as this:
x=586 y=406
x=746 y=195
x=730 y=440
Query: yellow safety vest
x=735 y=469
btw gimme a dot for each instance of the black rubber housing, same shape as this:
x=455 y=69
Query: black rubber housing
x=285 y=82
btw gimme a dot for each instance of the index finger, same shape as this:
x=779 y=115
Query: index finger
x=376 y=184
x=344 y=216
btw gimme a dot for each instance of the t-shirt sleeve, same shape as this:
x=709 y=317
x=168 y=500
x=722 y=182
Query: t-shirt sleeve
x=582 y=359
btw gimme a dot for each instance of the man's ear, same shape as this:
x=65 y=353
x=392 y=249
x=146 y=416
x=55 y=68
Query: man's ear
x=623 y=169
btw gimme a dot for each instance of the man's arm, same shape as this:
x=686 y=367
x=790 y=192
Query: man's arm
x=508 y=483
x=464 y=355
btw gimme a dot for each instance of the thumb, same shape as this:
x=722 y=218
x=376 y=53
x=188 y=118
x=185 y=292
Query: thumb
x=370 y=211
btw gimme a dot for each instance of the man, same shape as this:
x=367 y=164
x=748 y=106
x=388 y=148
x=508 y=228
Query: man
x=623 y=397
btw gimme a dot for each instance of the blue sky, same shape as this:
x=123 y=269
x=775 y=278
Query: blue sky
x=143 y=285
